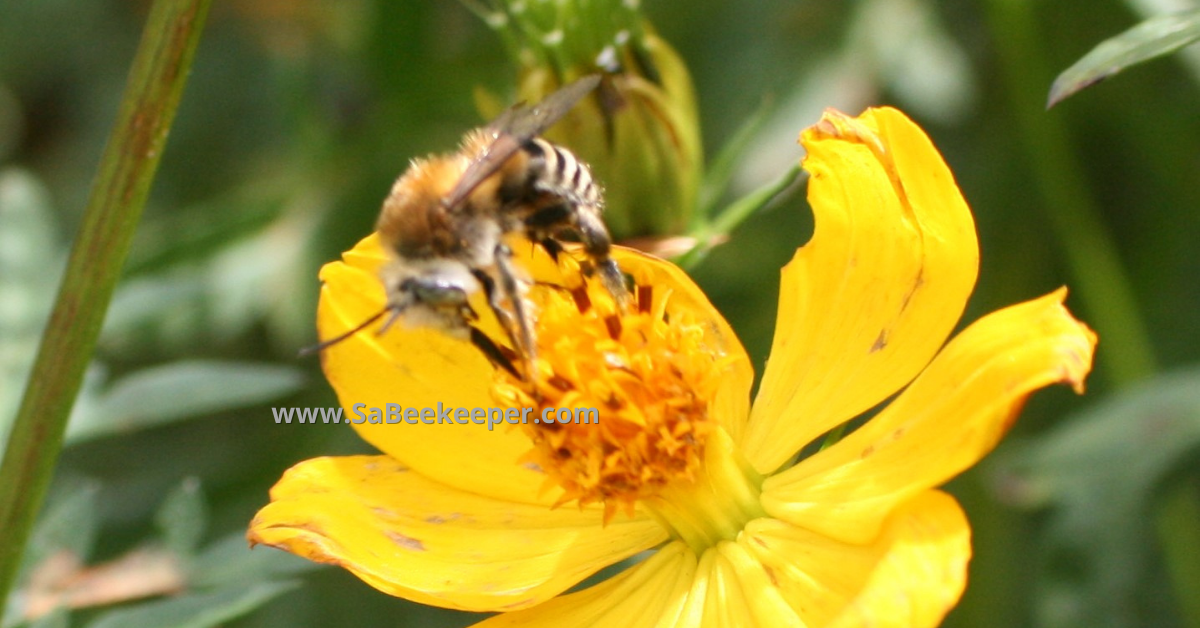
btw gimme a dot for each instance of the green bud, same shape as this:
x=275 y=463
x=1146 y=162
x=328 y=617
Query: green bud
x=639 y=131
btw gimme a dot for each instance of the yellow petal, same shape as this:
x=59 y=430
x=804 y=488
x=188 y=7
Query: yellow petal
x=868 y=301
x=758 y=597
x=908 y=577
x=949 y=418
x=409 y=536
x=730 y=588
x=417 y=368
x=648 y=594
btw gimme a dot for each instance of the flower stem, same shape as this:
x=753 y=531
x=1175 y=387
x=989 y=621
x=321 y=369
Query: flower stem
x=1105 y=290
x=127 y=167
x=711 y=234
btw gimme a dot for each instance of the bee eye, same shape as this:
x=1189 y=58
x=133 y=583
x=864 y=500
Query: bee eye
x=433 y=291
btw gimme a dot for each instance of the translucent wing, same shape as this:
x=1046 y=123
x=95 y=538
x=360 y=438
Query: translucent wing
x=515 y=127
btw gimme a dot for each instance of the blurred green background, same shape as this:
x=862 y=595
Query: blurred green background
x=298 y=116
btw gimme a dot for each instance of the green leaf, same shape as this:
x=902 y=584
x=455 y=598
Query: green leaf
x=179 y=390
x=194 y=611
x=30 y=263
x=1100 y=473
x=1152 y=38
x=69 y=523
x=230 y=560
x=183 y=518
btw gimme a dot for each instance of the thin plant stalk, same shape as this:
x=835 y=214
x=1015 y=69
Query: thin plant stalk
x=127 y=166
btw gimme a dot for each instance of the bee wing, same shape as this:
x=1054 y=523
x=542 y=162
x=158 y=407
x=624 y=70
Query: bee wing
x=515 y=127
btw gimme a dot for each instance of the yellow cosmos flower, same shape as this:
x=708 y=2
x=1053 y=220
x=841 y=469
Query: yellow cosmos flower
x=681 y=462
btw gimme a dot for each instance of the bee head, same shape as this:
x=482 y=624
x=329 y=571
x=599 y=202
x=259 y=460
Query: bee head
x=433 y=292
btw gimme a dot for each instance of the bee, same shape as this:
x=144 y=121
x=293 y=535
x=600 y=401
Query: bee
x=448 y=216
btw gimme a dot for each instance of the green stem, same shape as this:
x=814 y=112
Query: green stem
x=713 y=233
x=127 y=167
x=1104 y=287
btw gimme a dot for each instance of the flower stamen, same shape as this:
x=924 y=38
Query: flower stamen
x=650 y=380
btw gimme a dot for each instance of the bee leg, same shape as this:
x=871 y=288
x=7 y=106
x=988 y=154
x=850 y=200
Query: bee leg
x=585 y=221
x=493 y=297
x=542 y=223
x=553 y=248
x=598 y=245
x=511 y=289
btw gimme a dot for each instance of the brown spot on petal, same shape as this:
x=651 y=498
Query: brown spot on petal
x=384 y=513
x=920 y=281
x=771 y=575
x=407 y=542
x=880 y=342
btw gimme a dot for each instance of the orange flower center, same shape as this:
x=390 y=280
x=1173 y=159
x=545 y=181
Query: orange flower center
x=648 y=377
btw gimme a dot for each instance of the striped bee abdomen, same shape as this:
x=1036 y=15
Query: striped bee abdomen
x=555 y=170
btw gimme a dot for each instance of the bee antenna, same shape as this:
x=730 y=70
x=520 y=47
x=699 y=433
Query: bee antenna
x=325 y=344
x=396 y=312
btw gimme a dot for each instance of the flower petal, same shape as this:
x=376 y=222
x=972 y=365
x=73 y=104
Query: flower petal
x=744 y=594
x=410 y=536
x=868 y=301
x=650 y=593
x=417 y=368
x=908 y=577
x=949 y=418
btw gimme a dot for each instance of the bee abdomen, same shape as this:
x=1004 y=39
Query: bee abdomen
x=555 y=170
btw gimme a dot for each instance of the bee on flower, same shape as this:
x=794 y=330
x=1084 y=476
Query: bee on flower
x=683 y=468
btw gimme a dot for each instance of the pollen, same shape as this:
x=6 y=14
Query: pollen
x=648 y=374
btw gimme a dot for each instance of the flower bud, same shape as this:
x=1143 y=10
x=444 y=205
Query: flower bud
x=639 y=131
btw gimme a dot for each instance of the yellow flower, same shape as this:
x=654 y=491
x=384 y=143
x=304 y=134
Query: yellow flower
x=680 y=462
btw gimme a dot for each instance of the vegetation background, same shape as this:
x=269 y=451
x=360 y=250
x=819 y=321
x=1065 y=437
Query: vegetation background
x=298 y=116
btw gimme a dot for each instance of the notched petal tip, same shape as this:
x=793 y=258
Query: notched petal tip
x=868 y=301
x=837 y=125
x=302 y=540
x=1075 y=341
x=1079 y=353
